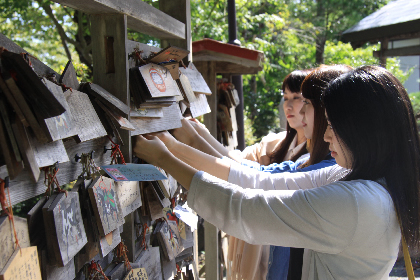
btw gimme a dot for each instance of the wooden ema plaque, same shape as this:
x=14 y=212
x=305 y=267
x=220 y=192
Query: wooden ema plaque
x=23 y=265
x=68 y=233
x=150 y=259
x=197 y=82
x=115 y=117
x=168 y=54
x=200 y=106
x=7 y=237
x=104 y=202
x=129 y=197
x=158 y=80
x=109 y=242
x=69 y=77
x=48 y=153
x=34 y=90
x=87 y=123
x=61 y=126
x=137 y=274
x=107 y=98
x=171 y=119
x=184 y=85
x=169 y=239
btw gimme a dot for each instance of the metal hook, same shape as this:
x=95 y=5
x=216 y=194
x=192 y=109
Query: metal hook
x=77 y=158
x=107 y=149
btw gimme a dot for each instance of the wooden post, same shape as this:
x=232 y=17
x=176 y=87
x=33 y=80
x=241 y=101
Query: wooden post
x=211 y=247
x=110 y=62
x=382 y=57
x=180 y=10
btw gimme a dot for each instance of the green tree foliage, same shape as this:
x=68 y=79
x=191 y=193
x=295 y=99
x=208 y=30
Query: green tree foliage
x=286 y=31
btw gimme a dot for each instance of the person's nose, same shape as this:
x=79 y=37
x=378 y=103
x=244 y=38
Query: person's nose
x=327 y=135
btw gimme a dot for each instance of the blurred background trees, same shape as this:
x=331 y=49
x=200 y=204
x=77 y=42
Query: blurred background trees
x=293 y=34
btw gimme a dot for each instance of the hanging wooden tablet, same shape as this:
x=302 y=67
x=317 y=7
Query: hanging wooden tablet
x=223 y=117
x=168 y=269
x=87 y=123
x=200 y=106
x=118 y=119
x=103 y=198
x=25 y=108
x=58 y=273
x=4 y=116
x=158 y=80
x=171 y=119
x=169 y=239
x=34 y=90
x=154 y=206
x=6 y=91
x=107 y=98
x=109 y=242
x=35 y=219
x=61 y=126
x=68 y=232
x=23 y=264
x=137 y=274
x=185 y=87
x=150 y=259
x=167 y=54
x=146 y=113
x=197 y=82
x=128 y=193
x=26 y=150
x=7 y=237
x=14 y=167
x=69 y=77
x=48 y=153
x=173 y=68
x=169 y=185
x=49 y=228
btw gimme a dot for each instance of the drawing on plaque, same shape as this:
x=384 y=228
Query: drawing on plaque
x=114 y=172
x=71 y=235
x=104 y=202
x=157 y=79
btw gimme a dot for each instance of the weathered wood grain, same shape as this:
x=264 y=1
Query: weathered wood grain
x=150 y=259
x=61 y=126
x=118 y=119
x=109 y=242
x=142 y=17
x=27 y=111
x=26 y=149
x=103 y=198
x=107 y=98
x=69 y=232
x=128 y=196
x=22 y=263
x=197 y=82
x=171 y=119
x=22 y=189
x=200 y=106
x=86 y=120
x=69 y=77
x=7 y=237
x=34 y=90
x=4 y=115
x=14 y=167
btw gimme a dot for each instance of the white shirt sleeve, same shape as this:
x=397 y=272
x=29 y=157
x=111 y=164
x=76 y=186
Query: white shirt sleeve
x=254 y=179
x=322 y=219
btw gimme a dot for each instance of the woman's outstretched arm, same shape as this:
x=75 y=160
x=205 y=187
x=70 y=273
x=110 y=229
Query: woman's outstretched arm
x=152 y=150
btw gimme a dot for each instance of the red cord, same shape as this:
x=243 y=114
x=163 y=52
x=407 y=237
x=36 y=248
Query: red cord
x=116 y=152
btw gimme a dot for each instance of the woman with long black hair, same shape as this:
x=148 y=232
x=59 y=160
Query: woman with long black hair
x=351 y=229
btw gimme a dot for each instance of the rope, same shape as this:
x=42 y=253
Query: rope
x=94 y=270
x=8 y=210
x=143 y=241
x=122 y=252
x=116 y=152
x=50 y=178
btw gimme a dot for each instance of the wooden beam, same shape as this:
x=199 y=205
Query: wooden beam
x=141 y=16
x=110 y=63
x=413 y=50
x=382 y=57
x=180 y=10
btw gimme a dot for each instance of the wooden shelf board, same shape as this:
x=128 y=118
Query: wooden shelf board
x=141 y=16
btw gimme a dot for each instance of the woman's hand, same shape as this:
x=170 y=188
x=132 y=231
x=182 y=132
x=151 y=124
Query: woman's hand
x=164 y=136
x=151 y=149
x=186 y=134
x=199 y=127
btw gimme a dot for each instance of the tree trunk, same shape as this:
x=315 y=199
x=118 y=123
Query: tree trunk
x=320 y=46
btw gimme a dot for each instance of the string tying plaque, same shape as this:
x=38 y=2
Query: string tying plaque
x=90 y=170
x=143 y=240
x=136 y=55
x=50 y=178
x=116 y=152
x=121 y=253
x=95 y=271
x=7 y=207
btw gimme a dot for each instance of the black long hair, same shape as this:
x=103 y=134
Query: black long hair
x=312 y=88
x=371 y=114
x=291 y=82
